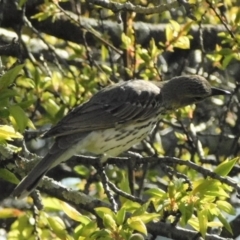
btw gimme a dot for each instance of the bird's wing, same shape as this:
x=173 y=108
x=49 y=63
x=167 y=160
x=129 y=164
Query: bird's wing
x=135 y=100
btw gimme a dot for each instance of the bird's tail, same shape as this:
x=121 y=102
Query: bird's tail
x=30 y=182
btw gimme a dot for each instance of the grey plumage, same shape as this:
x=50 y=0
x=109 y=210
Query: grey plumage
x=114 y=119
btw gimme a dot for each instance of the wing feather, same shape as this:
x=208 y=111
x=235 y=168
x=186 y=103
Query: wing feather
x=135 y=100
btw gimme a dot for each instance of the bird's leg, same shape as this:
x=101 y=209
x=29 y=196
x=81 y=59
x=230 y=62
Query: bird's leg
x=105 y=181
x=131 y=164
x=131 y=177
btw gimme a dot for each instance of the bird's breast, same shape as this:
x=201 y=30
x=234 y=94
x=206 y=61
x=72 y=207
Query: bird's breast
x=114 y=141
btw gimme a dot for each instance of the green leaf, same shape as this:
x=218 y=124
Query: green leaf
x=225 y=223
x=155 y=192
x=203 y=222
x=175 y=25
x=183 y=42
x=120 y=216
x=225 y=51
x=8 y=176
x=187 y=211
x=126 y=41
x=74 y=214
x=6 y=93
x=42 y=16
x=101 y=211
x=141 y=210
x=8 y=133
x=109 y=222
x=102 y=235
x=226 y=207
x=169 y=32
x=171 y=190
x=10 y=213
x=82 y=170
x=130 y=206
x=26 y=104
x=21 y=120
x=4 y=113
x=26 y=83
x=51 y=107
x=124 y=186
x=148 y=217
x=57 y=226
x=87 y=230
x=51 y=204
x=226 y=61
x=106 y=69
x=144 y=54
x=225 y=167
x=10 y=76
x=204 y=186
x=137 y=224
x=21 y=3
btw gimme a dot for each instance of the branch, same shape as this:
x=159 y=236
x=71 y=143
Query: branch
x=74 y=197
x=128 y=6
x=67 y=29
x=167 y=230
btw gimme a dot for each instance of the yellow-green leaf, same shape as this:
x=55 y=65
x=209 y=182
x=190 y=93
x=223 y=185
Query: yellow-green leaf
x=8 y=133
x=183 y=42
x=155 y=192
x=226 y=207
x=137 y=224
x=203 y=222
x=225 y=167
x=21 y=120
x=120 y=216
x=225 y=223
x=8 y=176
x=57 y=226
x=74 y=214
x=147 y=217
x=109 y=222
x=10 y=213
x=101 y=211
x=9 y=77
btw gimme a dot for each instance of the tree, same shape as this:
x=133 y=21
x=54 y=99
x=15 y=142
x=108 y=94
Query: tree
x=177 y=183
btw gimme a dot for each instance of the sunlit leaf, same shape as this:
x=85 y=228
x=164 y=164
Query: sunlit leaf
x=109 y=222
x=57 y=226
x=74 y=214
x=225 y=167
x=10 y=212
x=225 y=223
x=8 y=133
x=155 y=192
x=226 y=207
x=120 y=216
x=203 y=222
x=136 y=224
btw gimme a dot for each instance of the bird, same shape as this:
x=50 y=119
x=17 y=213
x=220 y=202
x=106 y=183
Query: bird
x=114 y=119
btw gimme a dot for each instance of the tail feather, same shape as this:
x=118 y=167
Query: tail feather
x=63 y=148
x=30 y=182
x=26 y=186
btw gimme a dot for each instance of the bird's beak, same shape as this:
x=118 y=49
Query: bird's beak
x=218 y=91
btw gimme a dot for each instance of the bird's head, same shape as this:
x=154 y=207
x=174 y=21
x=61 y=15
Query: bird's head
x=185 y=90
